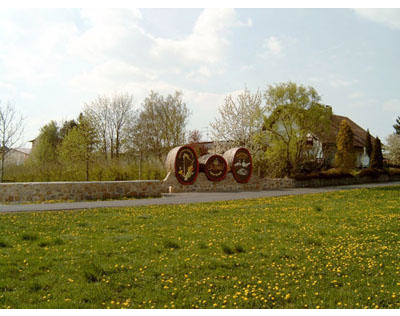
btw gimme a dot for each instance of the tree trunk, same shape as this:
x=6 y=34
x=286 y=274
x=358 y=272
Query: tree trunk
x=3 y=154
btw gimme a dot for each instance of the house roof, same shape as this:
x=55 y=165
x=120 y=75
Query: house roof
x=359 y=133
x=25 y=151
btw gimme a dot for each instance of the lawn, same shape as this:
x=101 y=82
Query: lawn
x=333 y=250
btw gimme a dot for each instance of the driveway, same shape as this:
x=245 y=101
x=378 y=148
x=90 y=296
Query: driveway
x=182 y=198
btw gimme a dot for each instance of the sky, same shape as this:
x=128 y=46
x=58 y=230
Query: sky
x=53 y=61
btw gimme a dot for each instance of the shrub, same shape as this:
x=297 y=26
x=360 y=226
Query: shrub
x=371 y=172
x=327 y=174
x=394 y=171
x=345 y=157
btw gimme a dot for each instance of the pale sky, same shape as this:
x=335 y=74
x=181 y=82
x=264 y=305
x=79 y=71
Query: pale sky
x=52 y=61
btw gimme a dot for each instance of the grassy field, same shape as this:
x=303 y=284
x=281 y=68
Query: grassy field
x=333 y=250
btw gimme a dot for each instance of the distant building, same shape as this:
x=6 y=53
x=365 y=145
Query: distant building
x=16 y=156
x=33 y=141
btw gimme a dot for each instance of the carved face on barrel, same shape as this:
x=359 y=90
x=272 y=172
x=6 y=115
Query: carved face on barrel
x=242 y=166
x=186 y=165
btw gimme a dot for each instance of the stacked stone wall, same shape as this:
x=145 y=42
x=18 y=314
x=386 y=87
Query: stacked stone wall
x=78 y=191
x=102 y=190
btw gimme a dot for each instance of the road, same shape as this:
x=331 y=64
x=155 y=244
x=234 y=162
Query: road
x=181 y=198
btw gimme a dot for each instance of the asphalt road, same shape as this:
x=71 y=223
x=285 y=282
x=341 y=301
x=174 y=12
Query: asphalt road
x=181 y=198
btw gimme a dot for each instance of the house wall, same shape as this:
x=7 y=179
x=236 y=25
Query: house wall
x=15 y=157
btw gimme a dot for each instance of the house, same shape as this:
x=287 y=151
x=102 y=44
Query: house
x=329 y=146
x=16 y=156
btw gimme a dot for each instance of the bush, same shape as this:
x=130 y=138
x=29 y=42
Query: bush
x=371 y=172
x=328 y=174
x=394 y=171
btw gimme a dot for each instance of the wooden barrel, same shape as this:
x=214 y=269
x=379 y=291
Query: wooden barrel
x=182 y=160
x=239 y=163
x=214 y=166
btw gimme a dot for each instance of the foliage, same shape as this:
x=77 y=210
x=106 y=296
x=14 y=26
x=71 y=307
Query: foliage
x=160 y=125
x=371 y=172
x=77 y=149
x=326 y=174
x=397 y=126
x=239 y=124
x=331 y=250
x=293 y=114
x=376 y=156
x=345 y=156
x=393 y=148
x=368 y=144
x=111 y=116
x=44 y=156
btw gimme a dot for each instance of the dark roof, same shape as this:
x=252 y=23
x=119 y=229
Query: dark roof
x=359 y=133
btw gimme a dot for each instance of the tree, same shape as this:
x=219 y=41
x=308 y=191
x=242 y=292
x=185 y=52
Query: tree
x=194 y=140
x=11 y=129
x=194 y=137
x=44 y=156
x=293 y=115
x=98 y=112
x=77 y=148
x=376 y=156
x=121 y=111
x=345 y=157
x=393 y=148
x=368 y=144
x=111 y=115
x=239 y=120
x=239 y=123
x=397 y=126
x=160 y=125
x=66 y=127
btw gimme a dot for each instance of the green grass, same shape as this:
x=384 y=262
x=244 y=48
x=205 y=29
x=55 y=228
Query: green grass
x=333 y=250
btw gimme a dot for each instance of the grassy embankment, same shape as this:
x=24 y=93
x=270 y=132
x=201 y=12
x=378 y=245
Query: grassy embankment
x=333 y=250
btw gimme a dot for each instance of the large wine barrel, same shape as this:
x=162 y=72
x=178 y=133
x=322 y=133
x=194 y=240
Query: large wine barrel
x=182 y=160
x=214 y=166
x=239 y=163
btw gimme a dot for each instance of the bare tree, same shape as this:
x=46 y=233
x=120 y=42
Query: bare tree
x=11 y=129
x=98 y=112
x=121 y=113
x=111 y=115
x=239 y=121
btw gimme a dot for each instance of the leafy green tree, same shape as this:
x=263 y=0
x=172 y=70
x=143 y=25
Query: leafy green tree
x=376 y=156
x=368 y=144
x=397 y=126
x=294 y=113
x=345 y=157
x=77 y=150
x=66 y=127
x=160 y=125
x=44 y=156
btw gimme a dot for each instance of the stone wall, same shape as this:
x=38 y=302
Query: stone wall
x=78 y=191
x=170 y=184
x=229 y=184
x=99 y=190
